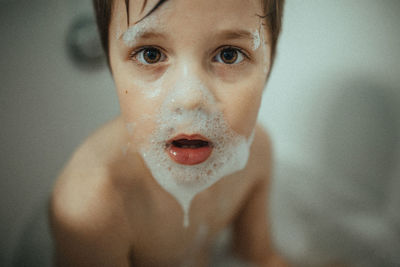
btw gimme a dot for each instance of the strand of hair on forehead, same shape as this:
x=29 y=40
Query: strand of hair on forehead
x=143 y=6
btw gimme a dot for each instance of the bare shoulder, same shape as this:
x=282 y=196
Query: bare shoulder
x=86 y=176
x=85 y=210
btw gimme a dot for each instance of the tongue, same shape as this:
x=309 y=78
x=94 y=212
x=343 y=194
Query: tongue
x=189 y=155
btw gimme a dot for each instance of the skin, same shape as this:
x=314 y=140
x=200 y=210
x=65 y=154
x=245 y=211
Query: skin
x=107 y=209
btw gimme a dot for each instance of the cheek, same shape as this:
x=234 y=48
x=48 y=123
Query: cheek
x=138 y=109
x=241 y=109
x=137 y=97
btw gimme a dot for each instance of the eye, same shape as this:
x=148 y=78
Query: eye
x=149 y=55
x=230 y=55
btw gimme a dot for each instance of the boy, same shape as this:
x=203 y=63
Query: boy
x=185 y=159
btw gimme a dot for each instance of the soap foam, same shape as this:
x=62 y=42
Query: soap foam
x=150 y=89
x=134 y=32
x=230 y=150
x=256 y=40
x=155 y=89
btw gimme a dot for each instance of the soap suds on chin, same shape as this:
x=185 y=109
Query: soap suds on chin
x=230 y=151
x=256 y=40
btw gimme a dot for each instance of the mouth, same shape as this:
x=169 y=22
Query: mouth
x=189 y=149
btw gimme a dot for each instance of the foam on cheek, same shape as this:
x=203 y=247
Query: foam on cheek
x=153 y=93
x=230 y=150
x=150 y=89
x=153 y=90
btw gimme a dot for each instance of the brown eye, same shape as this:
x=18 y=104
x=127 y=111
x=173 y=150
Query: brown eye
x=229 y=55
x=148 y=56
x=151 y=55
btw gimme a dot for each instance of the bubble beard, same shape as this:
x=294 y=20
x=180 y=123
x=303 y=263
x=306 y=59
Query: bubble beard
x=230 y=153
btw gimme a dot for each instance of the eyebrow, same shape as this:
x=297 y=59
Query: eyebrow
x=151 y=33
x=235 y=34
x=225 y=34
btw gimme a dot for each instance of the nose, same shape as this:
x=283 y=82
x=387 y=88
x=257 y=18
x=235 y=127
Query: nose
x=190 y=92
x=190 y=97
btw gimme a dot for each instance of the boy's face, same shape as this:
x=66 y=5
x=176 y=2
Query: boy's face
x=195 y=69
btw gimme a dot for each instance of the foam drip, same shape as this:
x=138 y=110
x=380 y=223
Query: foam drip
x=230 y=150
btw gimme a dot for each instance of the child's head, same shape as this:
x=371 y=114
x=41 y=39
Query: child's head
x=189 y=76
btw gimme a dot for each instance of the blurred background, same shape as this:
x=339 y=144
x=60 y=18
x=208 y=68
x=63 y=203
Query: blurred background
x=332 y=107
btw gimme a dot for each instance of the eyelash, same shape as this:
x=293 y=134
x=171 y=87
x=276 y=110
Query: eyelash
x=133 y=55
x=237 y=49
x=137 y=52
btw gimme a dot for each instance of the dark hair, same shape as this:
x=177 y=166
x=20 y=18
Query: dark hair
x=273 y=11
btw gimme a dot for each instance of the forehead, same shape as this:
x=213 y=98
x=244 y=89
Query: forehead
x=178 y=15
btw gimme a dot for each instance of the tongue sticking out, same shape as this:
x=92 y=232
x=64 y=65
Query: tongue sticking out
x=189 y=151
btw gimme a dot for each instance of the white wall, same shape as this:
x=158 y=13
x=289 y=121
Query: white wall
x=333 y=109
x=48 y=106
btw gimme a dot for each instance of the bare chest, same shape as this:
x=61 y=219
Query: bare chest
x=159 y=237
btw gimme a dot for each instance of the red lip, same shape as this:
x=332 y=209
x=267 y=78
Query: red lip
x=189 y=149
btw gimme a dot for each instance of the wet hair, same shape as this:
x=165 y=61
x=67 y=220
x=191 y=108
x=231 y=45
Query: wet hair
x=272 y=14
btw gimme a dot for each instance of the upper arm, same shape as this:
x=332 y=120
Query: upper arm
x=251 y=229
x=252 y=235
x=85 y=232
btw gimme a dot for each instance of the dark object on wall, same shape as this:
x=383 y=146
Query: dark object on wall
x=83 y=43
